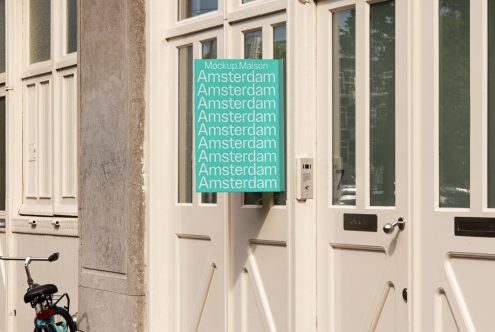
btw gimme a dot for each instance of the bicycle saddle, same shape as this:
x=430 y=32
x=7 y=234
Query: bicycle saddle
x=37 y=290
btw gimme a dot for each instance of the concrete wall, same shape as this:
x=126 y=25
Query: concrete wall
x=112 y=211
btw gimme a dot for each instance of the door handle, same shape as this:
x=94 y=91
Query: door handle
x=389 y=227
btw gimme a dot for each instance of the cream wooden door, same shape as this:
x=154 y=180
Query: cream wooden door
x=363 y=145
x=260 y=273
x=455 y=167
x=221 y=261
x=195 y=245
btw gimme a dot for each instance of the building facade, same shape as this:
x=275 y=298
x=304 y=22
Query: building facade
x=393 y=101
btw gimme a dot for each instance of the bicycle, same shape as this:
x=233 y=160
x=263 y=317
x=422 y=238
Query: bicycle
x=49 y=316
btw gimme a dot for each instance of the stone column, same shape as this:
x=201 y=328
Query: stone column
x=112 y=47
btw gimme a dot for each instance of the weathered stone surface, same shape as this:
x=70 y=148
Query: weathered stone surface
x=104 y=122
x=112 y=69
x=110 y=312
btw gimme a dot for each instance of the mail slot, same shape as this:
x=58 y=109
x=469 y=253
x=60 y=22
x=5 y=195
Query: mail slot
x=476 y=227
x=360 y=222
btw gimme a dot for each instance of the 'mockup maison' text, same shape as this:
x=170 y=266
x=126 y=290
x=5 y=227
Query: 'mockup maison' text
x=236 y=65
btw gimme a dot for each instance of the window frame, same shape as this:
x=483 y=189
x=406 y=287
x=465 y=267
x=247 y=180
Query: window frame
x=60 y=66
x=33 y=69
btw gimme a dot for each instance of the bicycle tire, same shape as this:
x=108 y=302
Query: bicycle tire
x=52 y=328
x=62 y=316
x=41 y=329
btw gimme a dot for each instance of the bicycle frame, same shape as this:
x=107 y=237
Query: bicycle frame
x=28 y=260
x=45 y=306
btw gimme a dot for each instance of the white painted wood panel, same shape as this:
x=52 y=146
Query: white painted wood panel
x=45 y=143
x=65 y=144
x=30 y=149
x=37 y=157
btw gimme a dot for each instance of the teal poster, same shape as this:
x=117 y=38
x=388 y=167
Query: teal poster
x=239 y=136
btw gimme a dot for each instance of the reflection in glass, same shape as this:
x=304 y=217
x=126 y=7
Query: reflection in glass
x=209 y=51
x=280 y=42
x=344 y=107
x=39 y=30
x=3 y=164
x=71 y=26
x=2 y=36
x=491 y=104
x=185 y=123
x=253 y=45
x=253 y=49
x=280 y=52
x=382 y=104
x=191 y=8
x=454 y=103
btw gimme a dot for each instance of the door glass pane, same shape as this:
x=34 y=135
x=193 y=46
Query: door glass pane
x=191 y=8
x=344 y=107
x=280 y=52
x=2 y=36
x=491 y=103
x=3 y=169
x=185 y=123
x=209 y=51
x=71 y=26
x=253 y=49
x=454 y=103
x=39 y=30
x=382 y=104
x=253 y=45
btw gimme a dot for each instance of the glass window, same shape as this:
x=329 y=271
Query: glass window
x=344 y=108
x=185 y=123
x=280 y=52
x=382 y=104
x=2 y=36
x=39 y=30
x=491 y=103
x=253 y=45
x=253 y=49
x=71 y=26
x=209 y=51
x=454 y=104
x=191 y=8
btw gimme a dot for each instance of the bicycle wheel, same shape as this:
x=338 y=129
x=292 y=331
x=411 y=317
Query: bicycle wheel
x=52 y=328
x=62 y=318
